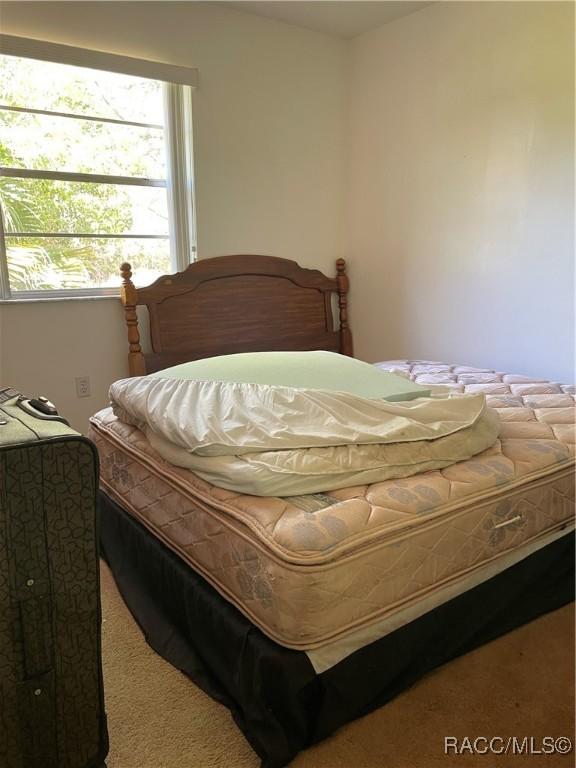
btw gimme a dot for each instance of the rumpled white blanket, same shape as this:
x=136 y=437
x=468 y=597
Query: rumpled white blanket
x=279 y=441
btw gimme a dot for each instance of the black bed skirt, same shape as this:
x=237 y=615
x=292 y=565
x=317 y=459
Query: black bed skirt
x=276 y=698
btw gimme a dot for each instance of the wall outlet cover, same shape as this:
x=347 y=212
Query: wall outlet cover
x=82 y=386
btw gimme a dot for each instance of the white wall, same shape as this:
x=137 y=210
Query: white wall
x=461 y=187
x=45 y=345
x=269 y=155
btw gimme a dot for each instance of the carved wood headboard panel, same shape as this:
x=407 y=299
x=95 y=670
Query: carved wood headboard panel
x=233 y=304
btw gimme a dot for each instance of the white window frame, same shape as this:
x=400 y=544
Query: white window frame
x=178 y=83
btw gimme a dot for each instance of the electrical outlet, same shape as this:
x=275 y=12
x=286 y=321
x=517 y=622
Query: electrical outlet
x=83 y=386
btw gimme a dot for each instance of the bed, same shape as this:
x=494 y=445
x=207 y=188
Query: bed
x=301 y=614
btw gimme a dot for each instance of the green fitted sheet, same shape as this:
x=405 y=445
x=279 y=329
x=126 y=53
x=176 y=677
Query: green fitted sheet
x=300 y=370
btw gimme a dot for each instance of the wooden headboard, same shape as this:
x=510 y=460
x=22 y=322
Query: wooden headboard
x=235 y=304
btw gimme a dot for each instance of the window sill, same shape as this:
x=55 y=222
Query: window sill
x=43 y=299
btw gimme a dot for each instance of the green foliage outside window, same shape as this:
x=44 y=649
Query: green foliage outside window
x=81 y=146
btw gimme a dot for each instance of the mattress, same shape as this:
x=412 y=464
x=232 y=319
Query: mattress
x=313 y=570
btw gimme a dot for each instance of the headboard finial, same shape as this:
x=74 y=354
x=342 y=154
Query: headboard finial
x=346 y=347
x=126 y=273
x=129 y=296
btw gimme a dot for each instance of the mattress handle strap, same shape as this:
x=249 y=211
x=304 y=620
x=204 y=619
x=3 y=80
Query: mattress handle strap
x=509 y=522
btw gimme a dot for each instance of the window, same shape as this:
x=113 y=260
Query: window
x=95 y=169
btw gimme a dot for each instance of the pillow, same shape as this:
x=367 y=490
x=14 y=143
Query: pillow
x=345 y=402
x=300 y=370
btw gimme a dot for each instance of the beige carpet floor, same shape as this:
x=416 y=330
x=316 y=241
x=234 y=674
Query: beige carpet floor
x=519 y=685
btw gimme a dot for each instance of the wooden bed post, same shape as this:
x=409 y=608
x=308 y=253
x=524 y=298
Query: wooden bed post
x=129 y=297
x=346 y=347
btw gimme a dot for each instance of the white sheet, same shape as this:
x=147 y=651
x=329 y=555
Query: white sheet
x=312 y=470
x=213 y=418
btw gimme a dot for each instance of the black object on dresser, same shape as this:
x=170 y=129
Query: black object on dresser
x=51 y=694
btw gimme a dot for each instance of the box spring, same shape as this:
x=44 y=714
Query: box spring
x=276 y=698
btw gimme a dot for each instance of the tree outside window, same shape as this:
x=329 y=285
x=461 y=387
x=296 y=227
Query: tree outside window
x=83 y=174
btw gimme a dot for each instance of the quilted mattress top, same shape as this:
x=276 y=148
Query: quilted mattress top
x=536 y=439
